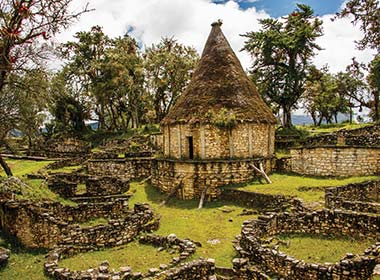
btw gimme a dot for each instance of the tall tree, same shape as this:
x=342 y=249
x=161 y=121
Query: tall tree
x=374 y=84
x=169 y=66
x=281 y=53
x=23 y=24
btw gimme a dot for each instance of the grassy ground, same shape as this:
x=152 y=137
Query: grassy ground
x=321 y=249
x=291 y=184
x=23 y=263
x=328 y=128
x=22 y=167
x=140 y=257
x=184 y=219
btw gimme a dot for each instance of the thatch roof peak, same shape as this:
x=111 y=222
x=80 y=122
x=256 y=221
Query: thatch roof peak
x=219 y=83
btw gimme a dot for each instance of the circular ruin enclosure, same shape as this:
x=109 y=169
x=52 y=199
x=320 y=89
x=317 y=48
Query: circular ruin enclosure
x=184 y=247
x=360 y=197
x=253 y=243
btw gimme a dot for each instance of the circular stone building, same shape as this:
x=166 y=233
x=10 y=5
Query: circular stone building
x=217 y=130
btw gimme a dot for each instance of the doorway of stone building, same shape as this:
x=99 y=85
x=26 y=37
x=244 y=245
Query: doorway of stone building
x=191 y=147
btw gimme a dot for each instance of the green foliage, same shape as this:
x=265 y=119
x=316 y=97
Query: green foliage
x=367 y=14
x=169 y=66
x=321 y=249
x=223 y=118
x=322 y=99
x=281 y=51
x=374 y=83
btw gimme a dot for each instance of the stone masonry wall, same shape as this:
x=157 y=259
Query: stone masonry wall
x=368 y=136
x=255 y=233
x=360 y=197
x=261 y=201
x=210 y=142
x=128 y=168
x=38 y=227
x=336 y=161
x=196 y=175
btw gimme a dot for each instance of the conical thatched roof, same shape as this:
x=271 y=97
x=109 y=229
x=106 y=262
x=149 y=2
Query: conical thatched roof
x=218 y=82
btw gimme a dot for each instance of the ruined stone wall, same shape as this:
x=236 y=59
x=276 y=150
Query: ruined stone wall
x=360 y=197
x=68 y=147
x=336 y=161
x=210 y=142
x=261 y=201
x=128 y=168
x=254 y=235
x=43 y=226
x=368 y=136
x=196 y=175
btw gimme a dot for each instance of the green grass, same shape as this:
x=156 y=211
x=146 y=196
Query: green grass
x=23 y=263
x=186 y=221
x=22 y=167
x=329 y=128
x=68 y=169
x=139 y=257
x=94 y=222
x=289 y=184
x=321 y=249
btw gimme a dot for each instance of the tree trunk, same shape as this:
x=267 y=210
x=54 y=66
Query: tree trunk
x=376 y=101
x=286 y=117
x=5 y=166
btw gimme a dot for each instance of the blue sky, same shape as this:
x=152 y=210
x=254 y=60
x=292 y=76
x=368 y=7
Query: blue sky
x=277 y=8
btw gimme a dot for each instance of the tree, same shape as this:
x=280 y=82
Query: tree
x=169 y=66
x=281 y=51
x=23 y=25
x=322 y=99
x=32 y=90
x=374 y=84
x=67 y=106
x=367 y=14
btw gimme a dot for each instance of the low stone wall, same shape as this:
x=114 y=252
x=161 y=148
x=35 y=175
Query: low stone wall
x=65 y=147
x=368 y=136
x=336 y=161
x=129 y=168
x=255 y=233
x=360 y=197
x=43 y=226
x=260 y=201
x=184 y=247
x=65 y=184
x=195 y=175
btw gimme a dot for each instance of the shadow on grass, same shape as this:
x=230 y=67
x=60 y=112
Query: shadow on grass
x=13 y=244
x=154 y=196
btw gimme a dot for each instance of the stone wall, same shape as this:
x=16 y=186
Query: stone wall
x=336 y=161
x=128 y=168
x=360 y=197
x=255 y=235
x=65 y=184
x=184 y=247
x=4 y=256
x=67 y=147
x=261 y=201
x=194 y=175
x=209 y=142
x=368 y=136
x=44 y=225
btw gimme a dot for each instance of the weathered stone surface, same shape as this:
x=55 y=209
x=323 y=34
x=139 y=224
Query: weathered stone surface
x=360 y=197
x=4 y=256
x=254 y=235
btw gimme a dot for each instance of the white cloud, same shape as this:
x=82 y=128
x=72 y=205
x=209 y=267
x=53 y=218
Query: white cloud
x=189 y=22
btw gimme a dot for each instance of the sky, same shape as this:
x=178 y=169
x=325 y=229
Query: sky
x=189 y=21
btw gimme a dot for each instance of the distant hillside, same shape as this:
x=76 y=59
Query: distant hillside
x=307 y=120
